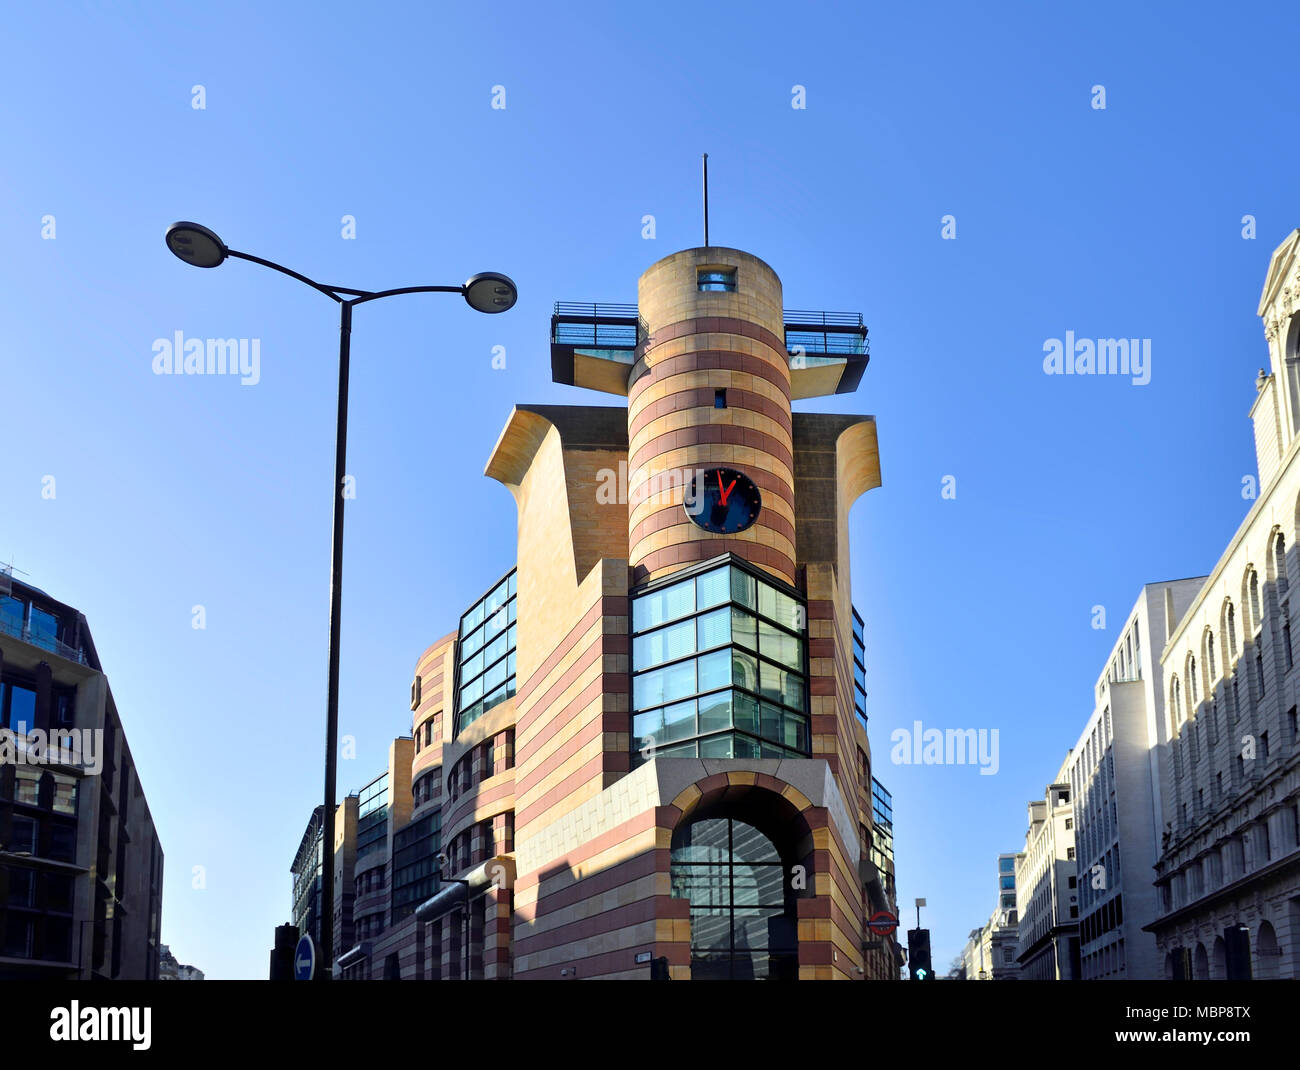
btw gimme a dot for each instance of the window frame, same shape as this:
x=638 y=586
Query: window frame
x=472 y=635
x=691 y=574
x=719 y=278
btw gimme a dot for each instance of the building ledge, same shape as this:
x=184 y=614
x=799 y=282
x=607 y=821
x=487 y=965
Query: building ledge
x=1228 y=891
x=38 y=964
x=44 y=863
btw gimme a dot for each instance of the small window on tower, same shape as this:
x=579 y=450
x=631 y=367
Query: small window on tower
x=720 y=398
x=720 y=280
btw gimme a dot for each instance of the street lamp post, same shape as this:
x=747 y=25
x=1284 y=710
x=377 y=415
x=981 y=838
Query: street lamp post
x=486 y=292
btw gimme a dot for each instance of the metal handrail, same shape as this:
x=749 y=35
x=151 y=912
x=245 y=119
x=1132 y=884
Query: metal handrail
x=594 y=308
x=24 y=632
x=801 y=318
x=790 y=316
x=827 y=341
x=618 y=326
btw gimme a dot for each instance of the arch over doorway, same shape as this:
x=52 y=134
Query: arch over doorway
x=742 y=855
x=1268 y=959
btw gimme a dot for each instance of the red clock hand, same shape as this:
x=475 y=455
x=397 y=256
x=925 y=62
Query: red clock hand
x=725 y=494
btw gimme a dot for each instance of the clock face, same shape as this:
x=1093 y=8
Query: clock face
x=722 y=500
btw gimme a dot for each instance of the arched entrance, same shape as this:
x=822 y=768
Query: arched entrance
x=1236 y=940
x=1200 y=964
x=744 y=924
x=1267 y=956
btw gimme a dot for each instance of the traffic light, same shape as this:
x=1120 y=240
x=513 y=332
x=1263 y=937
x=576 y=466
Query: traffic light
x=918 y=955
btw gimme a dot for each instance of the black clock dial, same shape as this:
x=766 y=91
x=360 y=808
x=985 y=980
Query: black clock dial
x=722 y=500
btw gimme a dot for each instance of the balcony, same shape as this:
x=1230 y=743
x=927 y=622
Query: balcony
x=827 y=334
x=596 y=326
x=593 y=345
x=14 y=626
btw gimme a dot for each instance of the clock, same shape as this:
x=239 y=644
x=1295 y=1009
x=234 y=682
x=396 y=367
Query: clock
x=722 y=500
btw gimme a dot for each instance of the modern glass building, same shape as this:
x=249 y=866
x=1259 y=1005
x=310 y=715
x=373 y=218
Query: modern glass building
x=80 y=862
x=1007 y=882
x=306 y=874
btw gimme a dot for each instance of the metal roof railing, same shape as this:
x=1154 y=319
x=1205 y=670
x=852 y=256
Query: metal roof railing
x=602 y=325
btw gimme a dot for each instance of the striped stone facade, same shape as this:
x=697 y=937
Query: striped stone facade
x=563 y=840
x=698 y=343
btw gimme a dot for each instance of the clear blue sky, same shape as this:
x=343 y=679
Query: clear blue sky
x=177 y=491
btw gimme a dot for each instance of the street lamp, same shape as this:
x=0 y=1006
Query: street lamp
x=489 y=292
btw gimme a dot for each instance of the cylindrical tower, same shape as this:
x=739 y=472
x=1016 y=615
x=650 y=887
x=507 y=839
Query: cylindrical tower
x=710 y=389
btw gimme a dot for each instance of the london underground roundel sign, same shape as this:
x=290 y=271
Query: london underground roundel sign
x=882 y=923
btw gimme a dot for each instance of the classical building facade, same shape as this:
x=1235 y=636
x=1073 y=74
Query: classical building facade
x=643 y=752
x=81 y=867
x=1047 y=904
x=169 y=969
x=1228 y=874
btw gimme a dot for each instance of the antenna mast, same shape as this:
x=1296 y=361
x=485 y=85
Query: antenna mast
x=706 y=199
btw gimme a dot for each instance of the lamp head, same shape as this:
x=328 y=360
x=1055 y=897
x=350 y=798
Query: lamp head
x=196 y=245
x=490 y=291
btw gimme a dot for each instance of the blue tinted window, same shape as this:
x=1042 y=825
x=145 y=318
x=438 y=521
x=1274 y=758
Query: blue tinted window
x=44 y=628
x=717 y=280
x=21 y=703
x=679 y=694
x=11 y=614
x=487 y=653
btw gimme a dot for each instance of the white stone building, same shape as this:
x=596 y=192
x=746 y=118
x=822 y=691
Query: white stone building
x=1228 y=875
x=1046 y=888
x=1115 y=785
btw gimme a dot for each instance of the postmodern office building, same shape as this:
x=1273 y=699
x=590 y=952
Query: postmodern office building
x=1228 y=873
x=80 y=864
x=641 y=752
x=1047 y=903
x=1116 y=786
